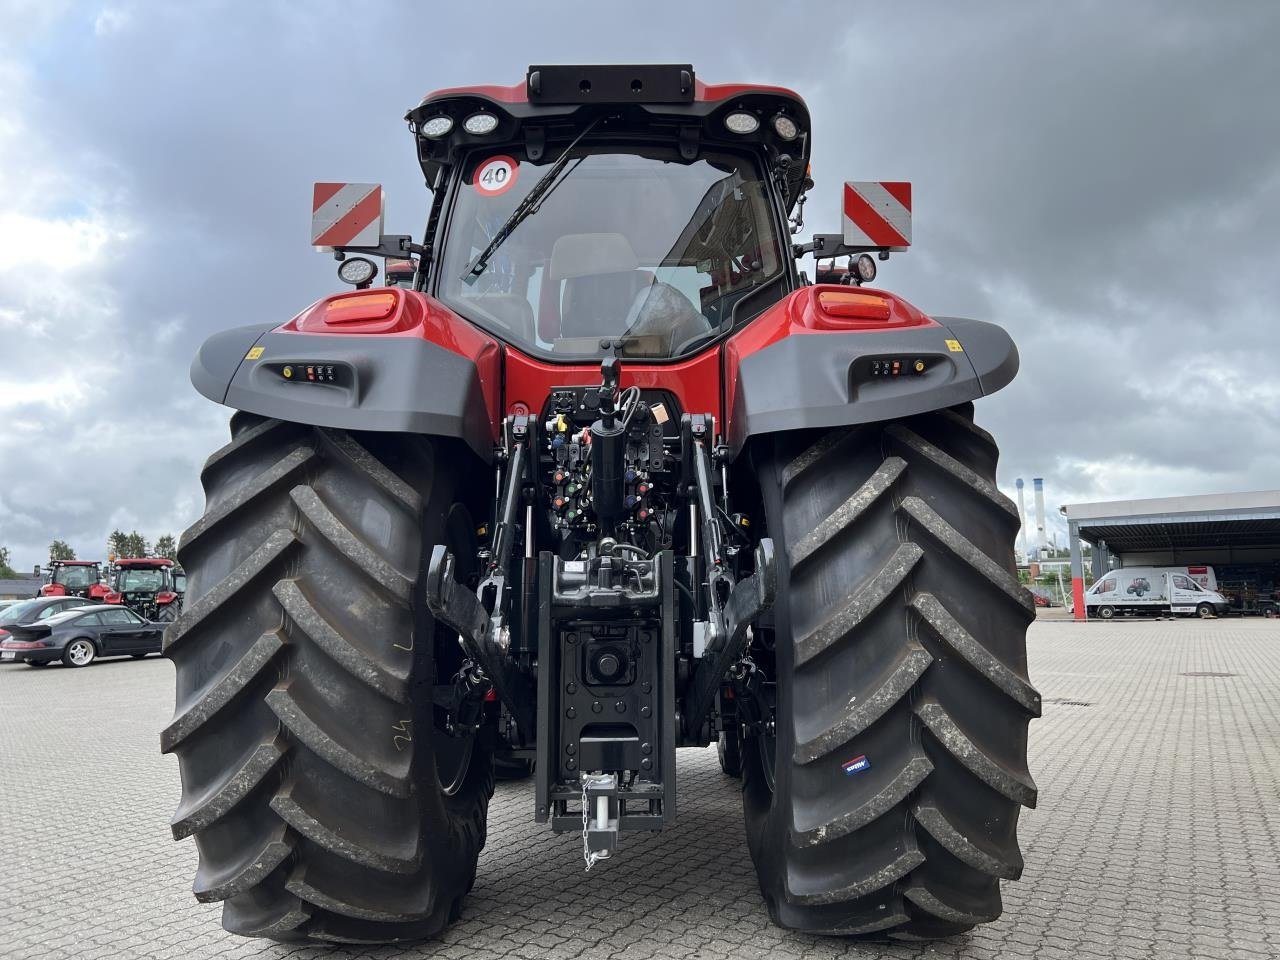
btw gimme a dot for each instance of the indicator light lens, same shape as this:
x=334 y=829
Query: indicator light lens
x=855 y=306
x=360 y=306
x=742 y=122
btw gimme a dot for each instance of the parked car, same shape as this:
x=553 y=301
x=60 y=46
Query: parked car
x=29 y=611
x=80 y=636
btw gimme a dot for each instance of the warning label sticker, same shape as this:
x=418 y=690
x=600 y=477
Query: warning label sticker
x=495 y=176
x=954 y=346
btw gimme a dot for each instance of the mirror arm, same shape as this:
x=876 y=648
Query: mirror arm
x=827 y=245
x=395 y=246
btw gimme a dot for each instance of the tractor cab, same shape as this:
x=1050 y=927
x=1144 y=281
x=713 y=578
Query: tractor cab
x=145 y=585
x=612 y=211
x=75 y=578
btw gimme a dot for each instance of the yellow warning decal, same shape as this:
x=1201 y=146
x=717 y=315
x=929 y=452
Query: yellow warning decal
x=256 y=352
x=954 y=346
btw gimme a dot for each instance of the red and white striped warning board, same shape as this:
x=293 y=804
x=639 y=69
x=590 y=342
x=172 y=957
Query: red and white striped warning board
x=877 y=213
x=346 y=215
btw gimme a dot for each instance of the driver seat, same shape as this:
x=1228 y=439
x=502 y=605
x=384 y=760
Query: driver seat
x=601 y=278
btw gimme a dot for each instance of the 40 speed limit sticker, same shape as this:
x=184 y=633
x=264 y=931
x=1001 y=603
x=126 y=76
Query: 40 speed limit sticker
x=495 y=176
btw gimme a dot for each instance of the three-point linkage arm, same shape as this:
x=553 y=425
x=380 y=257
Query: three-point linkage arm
x=731 y=607
x=480 y=618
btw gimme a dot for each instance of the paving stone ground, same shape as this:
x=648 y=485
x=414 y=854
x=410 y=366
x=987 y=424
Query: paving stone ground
x=1157 y=834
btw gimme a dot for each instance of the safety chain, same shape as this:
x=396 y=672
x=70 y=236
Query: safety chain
x=587 y=854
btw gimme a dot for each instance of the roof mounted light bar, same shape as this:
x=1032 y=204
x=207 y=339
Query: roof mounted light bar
x=610 y=83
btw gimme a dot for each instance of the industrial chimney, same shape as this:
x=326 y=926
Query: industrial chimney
x=1022 y=518
x=1042 y=545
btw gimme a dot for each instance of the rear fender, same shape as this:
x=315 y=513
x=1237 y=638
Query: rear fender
x=795 y=368
x=417 y=368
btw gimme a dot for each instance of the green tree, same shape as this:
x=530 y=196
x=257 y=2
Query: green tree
x=166 y=546
x=61 y=550
x=137 y=545
x=6 y=572
x=123 y=544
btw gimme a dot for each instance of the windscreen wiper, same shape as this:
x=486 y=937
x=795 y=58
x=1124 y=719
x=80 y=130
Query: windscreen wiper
x=526 y=208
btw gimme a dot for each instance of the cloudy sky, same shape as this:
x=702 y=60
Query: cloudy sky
x=1103 y=179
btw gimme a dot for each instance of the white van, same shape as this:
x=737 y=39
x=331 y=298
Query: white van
x=1155 y=591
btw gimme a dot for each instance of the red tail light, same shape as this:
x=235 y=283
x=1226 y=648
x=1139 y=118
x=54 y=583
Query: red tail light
x=853 y=306
x=361 y=306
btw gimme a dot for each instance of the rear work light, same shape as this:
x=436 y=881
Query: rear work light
x=785 y=127
x=436 y=127
x=480 y=124
x=360 y=306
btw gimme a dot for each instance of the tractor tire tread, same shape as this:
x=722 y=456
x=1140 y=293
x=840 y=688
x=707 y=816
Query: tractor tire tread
x=906 y=666
x=309 y=782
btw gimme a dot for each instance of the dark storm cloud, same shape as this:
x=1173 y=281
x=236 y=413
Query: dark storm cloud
x=1106 y=184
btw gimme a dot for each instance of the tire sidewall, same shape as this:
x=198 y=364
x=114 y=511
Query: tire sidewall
x=766 y=818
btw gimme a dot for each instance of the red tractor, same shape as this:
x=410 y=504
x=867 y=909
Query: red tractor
x=610 y=478
x=145 y=585
x=75 y=578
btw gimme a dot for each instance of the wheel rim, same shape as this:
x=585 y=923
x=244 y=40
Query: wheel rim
x=80 y=652
x=1106 y=613
x=453 y=762
x=453 y=753
x=1205 y=613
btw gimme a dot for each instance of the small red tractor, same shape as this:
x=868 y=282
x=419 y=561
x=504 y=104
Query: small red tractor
x=75 y=578
x=607 y=478
x=145 y=585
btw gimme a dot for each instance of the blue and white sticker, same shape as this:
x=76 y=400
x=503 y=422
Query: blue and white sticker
x=856 y=765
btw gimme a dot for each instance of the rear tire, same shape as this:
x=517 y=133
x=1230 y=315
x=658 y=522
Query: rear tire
x=79 y=653
x=886 y=803
x=305 y=661
x=729 y=752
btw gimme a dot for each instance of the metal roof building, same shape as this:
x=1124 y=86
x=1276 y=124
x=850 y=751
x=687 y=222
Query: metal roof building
x=20 y=589
x=1219 y=528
